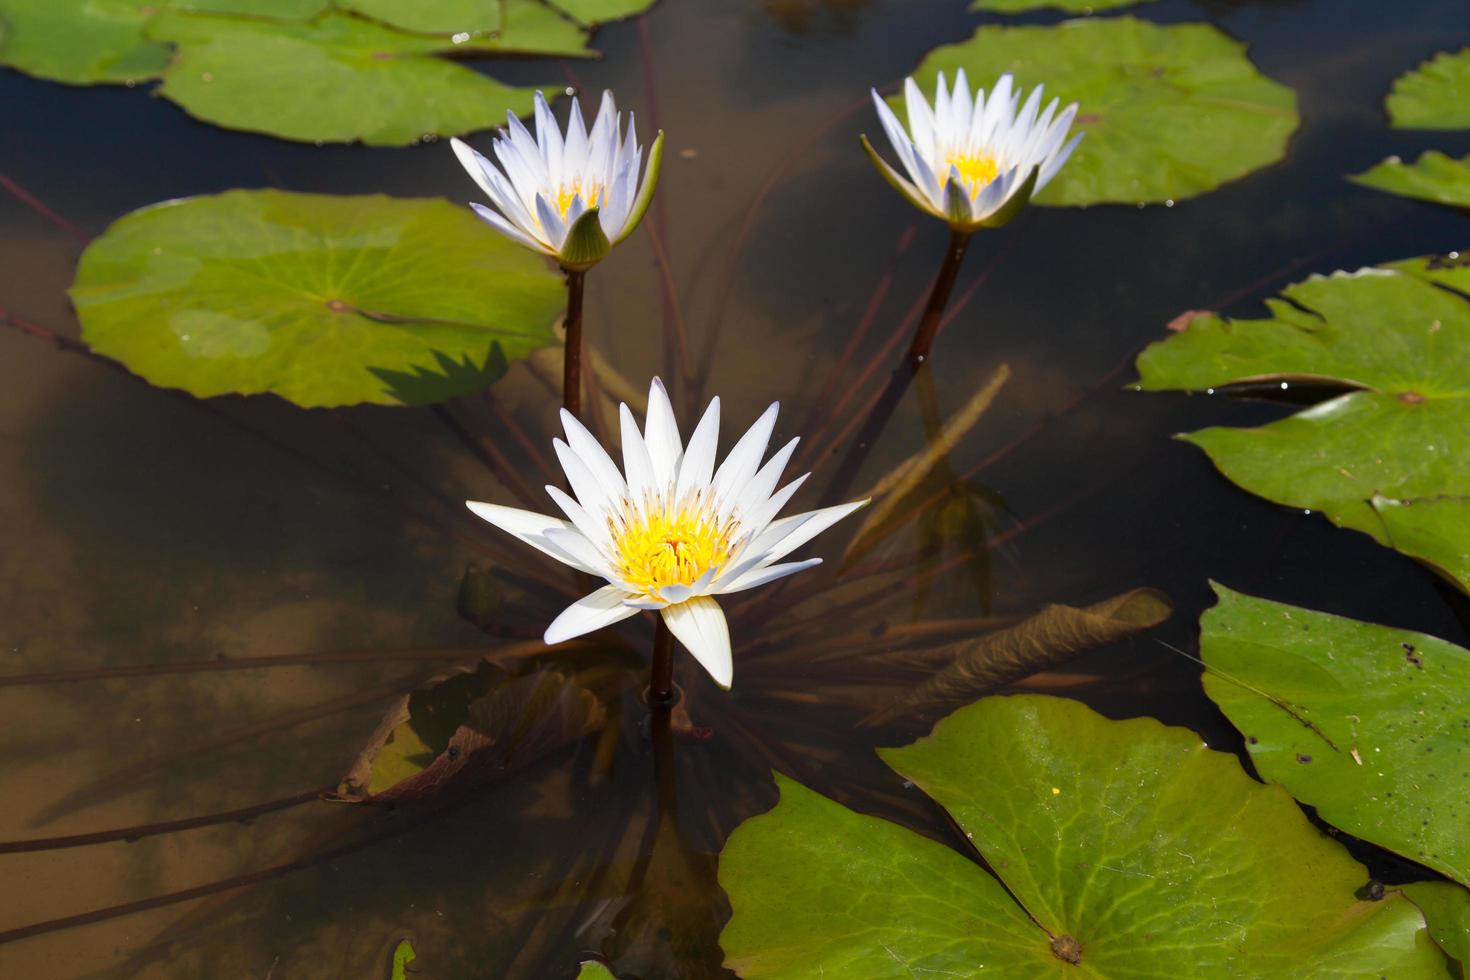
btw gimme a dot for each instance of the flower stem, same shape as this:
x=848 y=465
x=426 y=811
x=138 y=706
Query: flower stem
x=571 y=380
x=898 y=383
x=959 y=241
x=661 y=674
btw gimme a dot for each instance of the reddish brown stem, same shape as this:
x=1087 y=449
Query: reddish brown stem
x=571 y=375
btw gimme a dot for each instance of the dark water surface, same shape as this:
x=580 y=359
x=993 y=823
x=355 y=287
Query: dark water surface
x=143 y=528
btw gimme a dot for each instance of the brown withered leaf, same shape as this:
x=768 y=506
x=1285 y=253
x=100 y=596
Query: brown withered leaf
x=1051 y=637
x=467 y=728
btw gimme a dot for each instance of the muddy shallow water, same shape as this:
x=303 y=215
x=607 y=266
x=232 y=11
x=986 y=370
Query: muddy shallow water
x=144 y=528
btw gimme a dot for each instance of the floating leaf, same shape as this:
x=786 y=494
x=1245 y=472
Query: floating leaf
x=1433 y=177
x=1446 y=909
x=79 y=42
x=1133 y=850
x=1168 y=112
x=320 y=299
x=1368 y=724
x=467 y=728
x=366 y=82
x=1051 y=637
x=595 y=11
x=432 y=16
x=1070 y=6
x=1436 y=95
x=593 y=970
x=1398 y=335
x=1435 y=530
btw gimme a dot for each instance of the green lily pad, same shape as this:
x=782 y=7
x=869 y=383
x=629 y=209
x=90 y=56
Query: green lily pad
x=1132 y=849
x=1168 y=112
x=1436 y=95
x=599 y=11
x=1397 y=336
x=366 y=82
x=490 y=26
x=1435 y=530
x=1432 y=177
x=1446 y=909
x=79 y=42
x=593 y=970
x=1368 y=724
x=320 y=299
x=1070 y=6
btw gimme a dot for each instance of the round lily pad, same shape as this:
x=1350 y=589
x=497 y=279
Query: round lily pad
x=1168 y=111
x=79 y=42
x=336 y=79
x=1432 y=177
x=1070 y=6
x=1397 y=337
x=322 y=300
x=510 y=26
x=1131 y=850
x=1368 y=724
x=1436 y=95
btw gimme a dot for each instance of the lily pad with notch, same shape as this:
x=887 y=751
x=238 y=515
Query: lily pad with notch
x=1169 y=112
x=1370 y=725
x=323 y=300
x=1396 y=339
x=1131 y=849
x=1433 y=177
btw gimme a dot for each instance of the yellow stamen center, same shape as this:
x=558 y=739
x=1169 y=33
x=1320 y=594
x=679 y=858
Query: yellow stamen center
x=567 y=193
x=976 y=169
x=670 y=545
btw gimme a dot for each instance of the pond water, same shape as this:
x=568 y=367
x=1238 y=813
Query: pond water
x=144 y=528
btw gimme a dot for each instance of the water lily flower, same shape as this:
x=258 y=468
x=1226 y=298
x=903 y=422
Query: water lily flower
x=669 y=532
x=974 y=161
x=571 y=196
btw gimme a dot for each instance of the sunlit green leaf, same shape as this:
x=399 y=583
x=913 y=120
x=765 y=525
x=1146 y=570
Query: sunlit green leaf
x=1070 y=6
x=1432 y=177
x=403 y=955
x=1436 y=95
x=322 y=300
x=490 y=26
x=1168 y=111
x=595 y=11
x=1396 y=336
x=593 y=970
x=1436 y=530
x=367 y=82
x=79 y=42
x=1446 y=909
x=1135 y=850
x=1368 y=724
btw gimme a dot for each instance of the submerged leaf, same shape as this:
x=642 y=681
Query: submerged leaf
x=1132 y=849
x=466 y=729
x=1051 y=637
x=1432 y=177
x=1168 y=111
x=1368 y=724
x=1436 y=95
x=1398 y=337
x=403 y=955
x=322 y=300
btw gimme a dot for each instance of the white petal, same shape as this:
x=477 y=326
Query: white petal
x=757 y=520
x=902 y=145
x=548 y=139
x=699 y=624
x=586 y=446
x=961 y=106
x=790 y=533
x=527 y=525
x=591 y=612
x=594 y=530
x=592 y=495
x=661 y=434
x=995 y=108
x=1055 y=163
x=551 y=223
x=636 y=462
x=580 y=553
x=699 y=455
x=753 y=496
x=574 y=152
x=768 y=573
x=473 y=163
x=509 y=230
x=744 y=458
x=921 y=118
